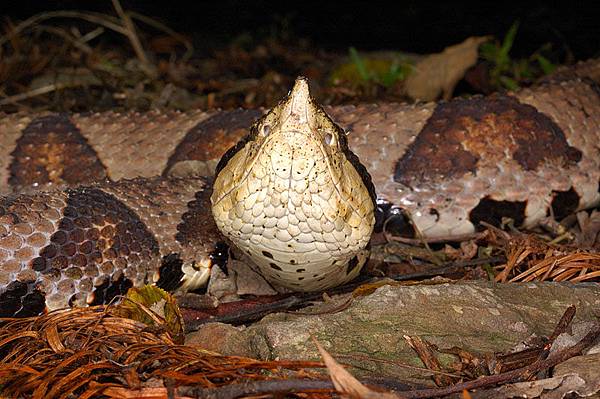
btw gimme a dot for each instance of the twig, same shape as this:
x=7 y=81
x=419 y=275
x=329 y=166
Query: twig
x=513 y=375
x=393 y=363
x=33 y=93
x=451 y=268
x=436 y=240
x=77 y=42
x=189 y=47
x=96 y=18
x=131 y=34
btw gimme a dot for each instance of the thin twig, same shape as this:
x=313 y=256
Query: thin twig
x=33 y=93
x=449 y=269
x=513 y=375
x=107 y=21
x=437 y=240
x=77 y=42
x=131 y=34
x=189 y=47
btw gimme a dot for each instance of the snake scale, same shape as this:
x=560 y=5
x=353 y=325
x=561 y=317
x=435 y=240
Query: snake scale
x=95 y=203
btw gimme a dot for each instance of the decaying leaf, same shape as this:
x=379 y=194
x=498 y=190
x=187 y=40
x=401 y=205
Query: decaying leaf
x=154 y=307
x=439 y=73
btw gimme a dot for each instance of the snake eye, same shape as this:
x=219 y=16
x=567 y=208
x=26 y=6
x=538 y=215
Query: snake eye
x=266 y=129
x=328 y=139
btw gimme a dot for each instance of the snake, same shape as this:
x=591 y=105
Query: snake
x=95 y=203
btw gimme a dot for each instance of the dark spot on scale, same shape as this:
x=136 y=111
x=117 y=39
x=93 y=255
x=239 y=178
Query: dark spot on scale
x=394 y=220
x=300 y=278
x=17 y=301
x=492 y=212
x=351 y=265
x=267 y=254
x=564 y=203
x=109 y=289
x=220 y=255
x=170 y=272
x=38 y=264
x=292 y=261
x=274 y=266
x=435 y=213
x=300 y=270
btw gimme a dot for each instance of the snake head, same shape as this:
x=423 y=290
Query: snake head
x=294 y=198
x=296 y=130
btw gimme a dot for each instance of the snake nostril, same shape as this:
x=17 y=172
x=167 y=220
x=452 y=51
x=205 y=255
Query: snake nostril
x=266 y=129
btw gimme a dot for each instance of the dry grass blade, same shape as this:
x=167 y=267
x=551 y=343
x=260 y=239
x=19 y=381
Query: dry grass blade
x=132 y=35
x=157 y=25
x=122 y=25
x=104 y=20
x=531 y=259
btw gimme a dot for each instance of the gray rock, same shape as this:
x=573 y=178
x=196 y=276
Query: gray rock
x=476 y=316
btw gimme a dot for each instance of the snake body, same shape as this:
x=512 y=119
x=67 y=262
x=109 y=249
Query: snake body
x=73 y=232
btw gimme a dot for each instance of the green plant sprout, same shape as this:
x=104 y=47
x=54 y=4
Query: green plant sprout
x=509 y=73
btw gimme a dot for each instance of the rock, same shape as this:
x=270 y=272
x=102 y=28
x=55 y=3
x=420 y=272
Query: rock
x=476 y=316
x=217 y=337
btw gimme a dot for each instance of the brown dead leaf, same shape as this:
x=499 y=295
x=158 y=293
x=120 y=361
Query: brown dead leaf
x=439 y=73
x=346 y=384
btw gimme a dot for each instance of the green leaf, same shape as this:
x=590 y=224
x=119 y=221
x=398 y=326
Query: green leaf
x=396 y=72
x=361 y=67
x=508 y=41
x=547 y=66
x=509 y=83
x=489 y=51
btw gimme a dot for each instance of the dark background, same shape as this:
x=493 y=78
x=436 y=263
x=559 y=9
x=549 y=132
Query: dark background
x=414 y=26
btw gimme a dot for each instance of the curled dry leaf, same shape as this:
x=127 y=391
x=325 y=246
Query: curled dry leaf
x=439 y=73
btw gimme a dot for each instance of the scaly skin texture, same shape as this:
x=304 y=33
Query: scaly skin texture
x=291 y=198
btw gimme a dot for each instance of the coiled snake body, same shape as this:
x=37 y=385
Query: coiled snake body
x=290 y=195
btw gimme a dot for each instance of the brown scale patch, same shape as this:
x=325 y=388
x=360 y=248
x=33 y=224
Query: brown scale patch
x=208 y=140
x=198 y=228
x=463 y=133
x=52 y=150
x=197 y=221
x=96 y=233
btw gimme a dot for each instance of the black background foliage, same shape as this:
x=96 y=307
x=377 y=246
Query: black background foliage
x=409 y=25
